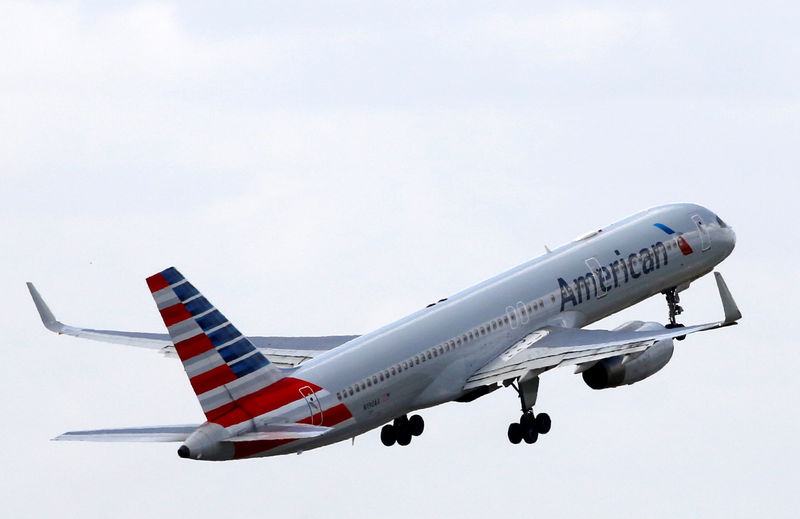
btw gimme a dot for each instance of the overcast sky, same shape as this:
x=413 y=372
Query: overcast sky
x=354 y=161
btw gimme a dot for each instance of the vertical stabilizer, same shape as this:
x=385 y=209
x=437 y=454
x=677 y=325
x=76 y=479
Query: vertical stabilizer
x=223 y=366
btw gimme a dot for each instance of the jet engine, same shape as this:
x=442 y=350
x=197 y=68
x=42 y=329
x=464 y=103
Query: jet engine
x=628 y=369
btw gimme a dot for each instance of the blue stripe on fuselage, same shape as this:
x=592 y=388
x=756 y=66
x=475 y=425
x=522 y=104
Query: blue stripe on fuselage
x=664 y=228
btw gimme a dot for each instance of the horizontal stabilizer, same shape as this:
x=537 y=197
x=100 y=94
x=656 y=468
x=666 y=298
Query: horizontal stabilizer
x=156 y=433
x=294 y=431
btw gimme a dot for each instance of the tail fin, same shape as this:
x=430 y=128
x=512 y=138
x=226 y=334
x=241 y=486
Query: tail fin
x=221 y=363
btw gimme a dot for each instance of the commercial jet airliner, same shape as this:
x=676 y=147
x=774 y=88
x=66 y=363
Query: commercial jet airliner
x=264 y=396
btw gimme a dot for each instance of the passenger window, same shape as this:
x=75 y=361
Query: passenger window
x=470 y=336
x=381 y=377
x=416 y=360
x=338 y=396
x=393 y=370
x=358 y=389
x=452 y=343
x=541 y=303
x=429 y=356
x=375 y=379
x=435 y=354
x=386 y=373
x=350 y=390
x=369 y=383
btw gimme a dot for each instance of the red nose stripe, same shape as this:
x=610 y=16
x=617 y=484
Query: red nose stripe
x=686 y=249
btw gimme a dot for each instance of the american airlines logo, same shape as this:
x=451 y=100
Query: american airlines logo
x=602 y=279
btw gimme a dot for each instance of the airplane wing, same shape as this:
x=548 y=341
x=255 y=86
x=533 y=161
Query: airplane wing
x=553 y=347
x=284 y=352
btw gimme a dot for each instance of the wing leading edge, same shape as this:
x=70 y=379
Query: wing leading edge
x=553 y=347
x=284 y=352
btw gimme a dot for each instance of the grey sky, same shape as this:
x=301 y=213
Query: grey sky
x=319 y=168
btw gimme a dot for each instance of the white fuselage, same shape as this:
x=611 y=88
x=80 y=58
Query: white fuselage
x=426 y=358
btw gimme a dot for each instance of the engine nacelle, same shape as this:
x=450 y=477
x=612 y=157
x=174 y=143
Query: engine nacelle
x=628 y=369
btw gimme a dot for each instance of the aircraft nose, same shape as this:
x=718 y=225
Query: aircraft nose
x=727 y=238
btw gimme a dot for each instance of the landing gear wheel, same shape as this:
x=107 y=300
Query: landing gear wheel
x=416 y=425
x=527 y=420
x=529 y=433
x=543 y=423
x=388 y=436
x=403 y=436
x=676 y=325
x=515 y=433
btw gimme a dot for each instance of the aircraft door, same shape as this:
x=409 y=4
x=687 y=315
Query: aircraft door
x=597 y=270
x=314 y=407
x=705 y=237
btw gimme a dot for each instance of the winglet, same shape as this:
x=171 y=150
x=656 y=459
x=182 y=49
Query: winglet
x=732 y=313
x=48 y=319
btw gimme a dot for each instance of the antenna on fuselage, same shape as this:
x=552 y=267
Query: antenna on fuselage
x=547 y=249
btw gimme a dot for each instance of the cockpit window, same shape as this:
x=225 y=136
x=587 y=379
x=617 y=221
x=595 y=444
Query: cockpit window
x=721 y=223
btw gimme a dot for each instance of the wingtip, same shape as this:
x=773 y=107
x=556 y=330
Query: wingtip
x=732 y=313
x=48 y=319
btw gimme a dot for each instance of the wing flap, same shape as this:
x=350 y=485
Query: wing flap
x=156 y=433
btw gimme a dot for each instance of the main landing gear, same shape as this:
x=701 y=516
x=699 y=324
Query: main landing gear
x=402 y=430
x=530 y=425
x=674 y=309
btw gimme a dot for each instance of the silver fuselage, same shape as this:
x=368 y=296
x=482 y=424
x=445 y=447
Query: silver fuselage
x=633 y=259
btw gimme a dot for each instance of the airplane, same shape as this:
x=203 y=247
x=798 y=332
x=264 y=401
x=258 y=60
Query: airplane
x=266 y=396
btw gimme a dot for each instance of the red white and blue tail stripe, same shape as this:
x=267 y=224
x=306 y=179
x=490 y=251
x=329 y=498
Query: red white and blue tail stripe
x=222 y=364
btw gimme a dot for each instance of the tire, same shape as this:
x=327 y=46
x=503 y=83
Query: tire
x=388 y=436
x=416 y=425
x=527 y=420
x=543 y=423
x=676 y=325
x=403 y=437
x=515 y=433
x=530 y=434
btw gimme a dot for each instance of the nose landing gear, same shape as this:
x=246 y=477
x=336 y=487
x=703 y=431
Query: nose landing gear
x=674 y=309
